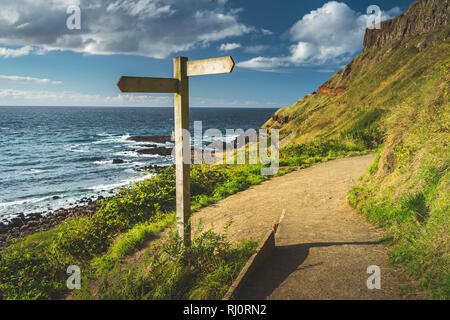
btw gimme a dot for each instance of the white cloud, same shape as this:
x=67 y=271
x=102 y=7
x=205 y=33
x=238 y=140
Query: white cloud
x=266 y=32
x=265 y=64
x=69 y=98
x=256 y=48
x=29 y=79
x=153 y=28
x=13 y=97
x=332 y=34
x=14 y=53
x=229 y=46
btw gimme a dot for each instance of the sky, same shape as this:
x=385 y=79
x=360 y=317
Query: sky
x=283 y=49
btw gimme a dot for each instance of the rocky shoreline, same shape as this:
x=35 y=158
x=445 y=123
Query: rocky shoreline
x=25 y=225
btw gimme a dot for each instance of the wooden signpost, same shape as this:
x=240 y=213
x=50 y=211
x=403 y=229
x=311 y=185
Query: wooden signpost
x=179 y=85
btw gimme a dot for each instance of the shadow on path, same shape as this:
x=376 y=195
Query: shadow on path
x=284 y=261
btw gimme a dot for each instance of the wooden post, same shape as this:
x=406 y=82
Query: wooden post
x=179 y=85
x=182 y=149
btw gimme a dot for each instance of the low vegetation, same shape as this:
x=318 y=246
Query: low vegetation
x=406 y=190
x=35 y=268
x=171 y=271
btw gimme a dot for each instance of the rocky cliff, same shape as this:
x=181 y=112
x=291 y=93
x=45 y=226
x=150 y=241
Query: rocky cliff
x=422 y=17
x=395 y=64
x=396 y=99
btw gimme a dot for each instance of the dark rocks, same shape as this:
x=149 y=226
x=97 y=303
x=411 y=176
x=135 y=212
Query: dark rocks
x=162 y=151
x=157 y=139
x=147 y=145
x=280 y=118
x=25 y=225
x=237 y=143
x=153 y=168
x=56 y=197
x=118 y=161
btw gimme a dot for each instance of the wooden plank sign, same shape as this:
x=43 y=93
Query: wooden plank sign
x=179 y=85
x=148 y=85
x=210 y=66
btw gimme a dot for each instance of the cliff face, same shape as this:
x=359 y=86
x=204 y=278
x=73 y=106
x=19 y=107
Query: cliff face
x=422 y=17
x=396 y=98
x=395 y=65
x=330 y=91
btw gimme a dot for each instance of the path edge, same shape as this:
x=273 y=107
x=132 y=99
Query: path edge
x=264 y=250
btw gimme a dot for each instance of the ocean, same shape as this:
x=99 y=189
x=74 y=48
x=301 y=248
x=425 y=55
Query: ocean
x=50 y=157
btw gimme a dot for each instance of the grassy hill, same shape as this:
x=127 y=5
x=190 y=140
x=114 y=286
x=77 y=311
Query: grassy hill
x=392 y=98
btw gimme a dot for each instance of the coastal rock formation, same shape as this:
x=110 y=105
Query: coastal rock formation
x=330 y=91
x=400 y=40
x=162 y=151
x=421 y=17
x=153 y=168
x=154 y=139
x=23 y=226
x=280 y=118
x=234 y=144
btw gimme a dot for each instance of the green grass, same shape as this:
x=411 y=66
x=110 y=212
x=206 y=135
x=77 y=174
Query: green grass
x=203 y=271
x=396 y=103
x=35 y=268
x=129 y=242
x=418 y=225
x=309 y=153
x=406 y=189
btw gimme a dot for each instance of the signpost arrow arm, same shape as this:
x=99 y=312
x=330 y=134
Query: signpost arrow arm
x=182 y=149
x=210 y=66
x=148 y=85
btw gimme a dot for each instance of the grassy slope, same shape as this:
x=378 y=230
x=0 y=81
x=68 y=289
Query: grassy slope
x=396 y=99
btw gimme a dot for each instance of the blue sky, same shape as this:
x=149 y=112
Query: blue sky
x=283 y=49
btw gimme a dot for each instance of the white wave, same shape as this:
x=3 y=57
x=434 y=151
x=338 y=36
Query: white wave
x=34 y=171
x=107 y=187
x=104 y=141
x=125 y=137
x=122 y=183
x=142 y=178
x=151 y=156
x=75 y=148
x=103 y=162
x=21 y=202
x=127 y=154
x=112 y=139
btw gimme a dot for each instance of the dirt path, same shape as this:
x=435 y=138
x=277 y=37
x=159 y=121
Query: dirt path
x=323 y=246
